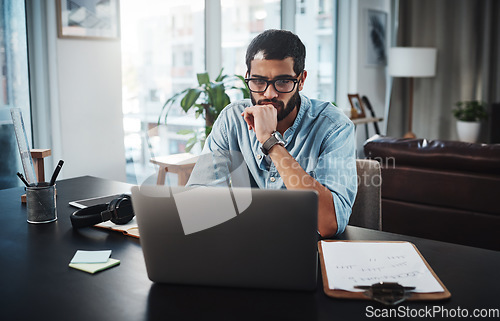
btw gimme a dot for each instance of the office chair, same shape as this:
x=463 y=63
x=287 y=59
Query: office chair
x=366 y=211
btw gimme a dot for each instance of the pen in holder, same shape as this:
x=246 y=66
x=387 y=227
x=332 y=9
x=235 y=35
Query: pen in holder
x=41 y=198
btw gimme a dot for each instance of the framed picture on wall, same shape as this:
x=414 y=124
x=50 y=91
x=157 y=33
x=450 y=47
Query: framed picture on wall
x=88 y=19
x=357 y=109
x=376 y=43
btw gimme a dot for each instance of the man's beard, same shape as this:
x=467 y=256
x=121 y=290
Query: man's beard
x=283 y=110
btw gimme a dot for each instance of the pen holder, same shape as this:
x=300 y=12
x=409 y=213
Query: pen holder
x=41 y=203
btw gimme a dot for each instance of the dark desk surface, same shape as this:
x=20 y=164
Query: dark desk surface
x=36 y=282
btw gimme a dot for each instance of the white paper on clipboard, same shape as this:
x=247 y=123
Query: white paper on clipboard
x=364 y=263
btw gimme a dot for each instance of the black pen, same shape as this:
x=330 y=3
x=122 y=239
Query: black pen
x=23 y=179
x=56 y=172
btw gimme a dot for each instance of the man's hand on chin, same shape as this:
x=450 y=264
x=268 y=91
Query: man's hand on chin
x=262 y=119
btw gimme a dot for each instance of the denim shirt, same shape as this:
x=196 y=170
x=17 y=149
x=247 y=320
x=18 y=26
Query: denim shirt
x=321 y=140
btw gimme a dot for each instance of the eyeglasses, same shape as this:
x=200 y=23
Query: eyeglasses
x=283 y=86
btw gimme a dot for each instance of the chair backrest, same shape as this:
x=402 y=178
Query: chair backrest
x=366 y=211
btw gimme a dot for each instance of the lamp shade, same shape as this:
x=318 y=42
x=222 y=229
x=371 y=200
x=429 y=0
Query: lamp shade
x=412 y=62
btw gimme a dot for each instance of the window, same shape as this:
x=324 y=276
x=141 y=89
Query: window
x=315 y=26
x=162 y=50
x=243 y=20
x=163 y=47
x=14 y=87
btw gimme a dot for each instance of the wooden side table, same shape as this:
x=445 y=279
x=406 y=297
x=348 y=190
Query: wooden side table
x=366 y=121
x=181 y=164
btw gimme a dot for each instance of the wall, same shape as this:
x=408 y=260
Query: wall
x=76 y=98
x=90 y=109
x=355 y=75
x=371 y=80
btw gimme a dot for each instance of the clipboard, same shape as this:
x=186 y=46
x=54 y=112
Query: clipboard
x=343 y=294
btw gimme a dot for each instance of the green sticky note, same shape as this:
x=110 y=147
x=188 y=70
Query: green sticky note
x=91 y=256
x=94 y=267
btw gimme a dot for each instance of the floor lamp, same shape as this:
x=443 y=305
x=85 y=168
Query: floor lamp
x=412 y=62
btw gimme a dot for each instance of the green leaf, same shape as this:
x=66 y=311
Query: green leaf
x=166 y=113
x=168 y=105
x=209 y=99
x=208 y=130
x=246 y=93
x=188 y=148
x=192 y=140
x=203 y=78
x=188 y=101
x=219 y=98
x=220 y=77
x=191 y=143
x=244 y=89
x=209 y=90
x=470 y=110
x=185 y=131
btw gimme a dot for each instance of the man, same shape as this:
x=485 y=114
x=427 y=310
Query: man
x=286 y=139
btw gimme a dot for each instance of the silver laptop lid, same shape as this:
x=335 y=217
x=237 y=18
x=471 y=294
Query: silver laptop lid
x=228 y=237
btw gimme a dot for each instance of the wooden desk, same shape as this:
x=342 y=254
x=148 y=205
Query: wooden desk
x=37 y=284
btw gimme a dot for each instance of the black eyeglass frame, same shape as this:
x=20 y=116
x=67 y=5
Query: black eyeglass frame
x=268 y=82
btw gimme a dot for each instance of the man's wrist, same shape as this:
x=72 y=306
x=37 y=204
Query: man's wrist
x=265 y=138
x=274 y=139
x=273 y=148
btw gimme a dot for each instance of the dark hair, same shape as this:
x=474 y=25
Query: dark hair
x=278 y=45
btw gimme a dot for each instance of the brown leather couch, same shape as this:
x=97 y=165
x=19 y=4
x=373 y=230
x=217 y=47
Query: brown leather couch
x=441 y=190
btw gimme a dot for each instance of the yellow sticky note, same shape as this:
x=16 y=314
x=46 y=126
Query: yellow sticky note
x=94 y=267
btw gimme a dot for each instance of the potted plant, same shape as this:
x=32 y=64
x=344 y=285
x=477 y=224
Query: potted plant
x=469 y=115
x=208 y=99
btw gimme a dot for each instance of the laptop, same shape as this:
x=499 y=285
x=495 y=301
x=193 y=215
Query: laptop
x=236 y=237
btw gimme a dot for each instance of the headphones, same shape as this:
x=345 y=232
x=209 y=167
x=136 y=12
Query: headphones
x=119 y=211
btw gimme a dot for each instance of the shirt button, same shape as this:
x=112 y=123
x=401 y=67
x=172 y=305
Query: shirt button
x=273 y=179
x=259 y=156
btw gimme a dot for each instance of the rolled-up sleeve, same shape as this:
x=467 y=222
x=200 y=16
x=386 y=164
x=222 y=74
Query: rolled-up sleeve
x=336 y=170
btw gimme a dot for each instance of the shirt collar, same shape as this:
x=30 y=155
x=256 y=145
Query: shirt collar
x=305 y=104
